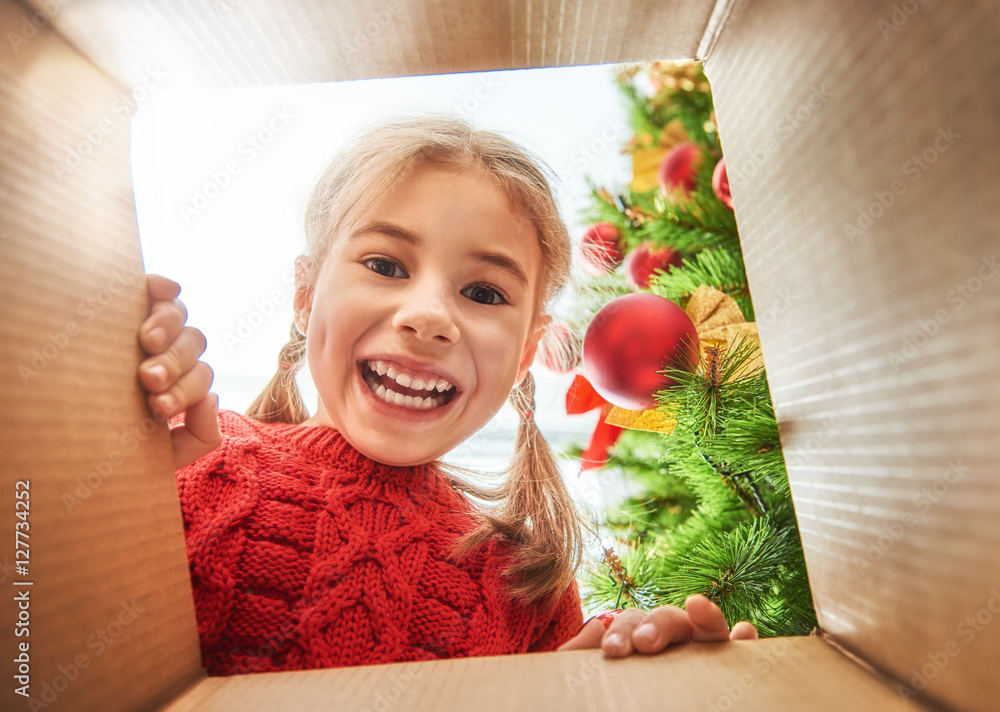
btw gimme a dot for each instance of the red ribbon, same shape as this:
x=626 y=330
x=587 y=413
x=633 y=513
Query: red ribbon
x=582 y=398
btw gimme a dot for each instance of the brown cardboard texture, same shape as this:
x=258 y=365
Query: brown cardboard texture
x=860 y=139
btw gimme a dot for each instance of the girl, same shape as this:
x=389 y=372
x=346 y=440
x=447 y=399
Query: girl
x=340 y=538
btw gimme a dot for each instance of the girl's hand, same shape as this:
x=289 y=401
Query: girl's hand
x=634 y=631
x=176 y=380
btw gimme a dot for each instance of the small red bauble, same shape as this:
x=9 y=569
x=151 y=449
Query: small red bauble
x=559 y=349
x=642 y=262
x=632 y=338
x=677 y=170
x=720 y=184
x=602 y=248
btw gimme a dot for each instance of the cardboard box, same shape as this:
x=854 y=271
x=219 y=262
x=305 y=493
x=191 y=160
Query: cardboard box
x=861 y=140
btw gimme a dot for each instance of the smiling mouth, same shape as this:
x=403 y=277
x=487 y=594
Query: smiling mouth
x=396 y=387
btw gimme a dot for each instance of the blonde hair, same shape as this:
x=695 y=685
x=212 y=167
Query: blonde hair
x=533 y=511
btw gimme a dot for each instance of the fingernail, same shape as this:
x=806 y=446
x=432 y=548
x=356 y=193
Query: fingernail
x=167 y=404
x=614 y=644
x=158 y=372
x=645 y=633
x=157 y=336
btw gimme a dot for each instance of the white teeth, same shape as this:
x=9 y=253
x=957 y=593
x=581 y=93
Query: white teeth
x=407 y=381
x=391 y=396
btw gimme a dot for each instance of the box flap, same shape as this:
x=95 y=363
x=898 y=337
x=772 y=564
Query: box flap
x=802 y=674
x=237 y=43
x=861 y=144
x=105 y=594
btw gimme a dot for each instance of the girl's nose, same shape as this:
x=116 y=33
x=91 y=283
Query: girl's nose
x=427 y=317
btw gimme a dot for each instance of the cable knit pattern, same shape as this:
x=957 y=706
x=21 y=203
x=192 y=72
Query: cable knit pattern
x=306 y=554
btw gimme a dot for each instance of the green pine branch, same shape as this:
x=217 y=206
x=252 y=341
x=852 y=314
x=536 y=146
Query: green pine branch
x=692 y=107
x=719 y=268
x=711 y=511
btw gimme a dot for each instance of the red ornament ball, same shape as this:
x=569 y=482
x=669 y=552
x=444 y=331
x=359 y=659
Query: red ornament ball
x=559 y=349
x=629 y=340
x=602 y=248
x=720 y=184
x=677 y=170
x=642 y=262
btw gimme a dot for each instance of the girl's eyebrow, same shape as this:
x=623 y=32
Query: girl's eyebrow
x=389 y=230
x=403 y=235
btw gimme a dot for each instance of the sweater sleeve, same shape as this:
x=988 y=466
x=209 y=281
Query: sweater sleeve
x=567 y=619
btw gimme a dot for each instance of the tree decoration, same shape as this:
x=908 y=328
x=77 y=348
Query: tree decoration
x=629 y=343
x=646 y=259
x=560 y=349
x=582 y=398
x=709 y=509
x=601 y=248
x=718 y=322
x=677 y=171
x=720 y=184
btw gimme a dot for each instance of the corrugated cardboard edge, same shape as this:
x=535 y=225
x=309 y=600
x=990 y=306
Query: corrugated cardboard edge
x=716 y=23
x=110 y=612
x=802 y=674
x=887 y=394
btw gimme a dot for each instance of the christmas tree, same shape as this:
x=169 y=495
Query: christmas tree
x=714 y=514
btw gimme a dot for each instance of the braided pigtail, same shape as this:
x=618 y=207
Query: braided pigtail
x=538 y=516
x=280 y=401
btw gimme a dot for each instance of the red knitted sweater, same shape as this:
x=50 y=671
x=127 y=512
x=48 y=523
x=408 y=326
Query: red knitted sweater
x=306 y=554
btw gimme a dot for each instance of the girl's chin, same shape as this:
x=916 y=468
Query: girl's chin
x=395 y=452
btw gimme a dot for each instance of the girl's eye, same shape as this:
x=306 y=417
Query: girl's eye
x=385 y=267
x=484 y=294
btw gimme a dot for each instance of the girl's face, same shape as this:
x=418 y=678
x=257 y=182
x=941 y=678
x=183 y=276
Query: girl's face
x=421 y=319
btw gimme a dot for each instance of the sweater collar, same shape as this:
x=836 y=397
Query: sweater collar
x=329 y=444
